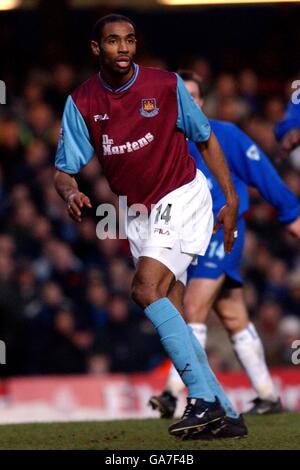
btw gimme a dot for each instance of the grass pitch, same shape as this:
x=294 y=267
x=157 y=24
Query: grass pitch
x=280 y=431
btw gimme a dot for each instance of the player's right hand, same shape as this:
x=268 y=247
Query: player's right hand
x=227 y=217
x=75 y=202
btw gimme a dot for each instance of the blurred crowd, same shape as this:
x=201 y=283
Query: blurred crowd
x=64 y=293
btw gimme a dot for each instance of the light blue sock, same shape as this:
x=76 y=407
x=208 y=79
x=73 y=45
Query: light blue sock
x=211 y=379
x=177 y=343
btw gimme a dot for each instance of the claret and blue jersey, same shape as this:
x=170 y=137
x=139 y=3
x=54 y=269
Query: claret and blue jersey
x=138 y=132
x=249 y=167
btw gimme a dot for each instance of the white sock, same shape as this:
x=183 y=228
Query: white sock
x=200 y=331
x=174 y=383
x=249 y=350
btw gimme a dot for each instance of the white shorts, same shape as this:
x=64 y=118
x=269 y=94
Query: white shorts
x=179 y=227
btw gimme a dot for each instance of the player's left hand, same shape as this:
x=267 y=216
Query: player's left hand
x=294 y=228
x=227 y=217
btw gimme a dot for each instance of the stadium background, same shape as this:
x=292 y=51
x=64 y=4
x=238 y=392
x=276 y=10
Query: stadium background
x=65 y=313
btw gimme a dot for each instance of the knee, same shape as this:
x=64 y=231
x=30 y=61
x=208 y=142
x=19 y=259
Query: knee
x=144 y=293
x=232 y=311
x=234 y=323
x=194 y=312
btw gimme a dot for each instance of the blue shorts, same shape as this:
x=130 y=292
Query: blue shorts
x=215 y=262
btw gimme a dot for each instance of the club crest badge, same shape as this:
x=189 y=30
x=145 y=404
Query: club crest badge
x=149 y=108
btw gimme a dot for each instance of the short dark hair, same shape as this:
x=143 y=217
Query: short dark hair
x=189 y=75
x=112 y=18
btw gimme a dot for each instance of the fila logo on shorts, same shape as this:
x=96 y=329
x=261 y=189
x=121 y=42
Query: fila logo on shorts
x=161 y=231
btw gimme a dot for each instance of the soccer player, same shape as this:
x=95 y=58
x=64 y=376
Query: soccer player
x=288 y=131
x=215 y=282
x=136 y=120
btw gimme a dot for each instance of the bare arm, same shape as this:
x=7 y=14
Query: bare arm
x=215 y=161
x=67 y=188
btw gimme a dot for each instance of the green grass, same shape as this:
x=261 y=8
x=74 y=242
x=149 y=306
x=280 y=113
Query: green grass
x=268 y=432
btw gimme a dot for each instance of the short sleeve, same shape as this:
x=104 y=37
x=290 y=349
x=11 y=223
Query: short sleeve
x=74 y=150
x=191 y=120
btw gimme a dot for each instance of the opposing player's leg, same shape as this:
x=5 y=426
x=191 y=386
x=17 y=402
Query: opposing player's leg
x=231 y=308
x=200 y=296
x=199 y=299
x=206 y=280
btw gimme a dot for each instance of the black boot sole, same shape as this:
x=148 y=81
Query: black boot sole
x=186 y=430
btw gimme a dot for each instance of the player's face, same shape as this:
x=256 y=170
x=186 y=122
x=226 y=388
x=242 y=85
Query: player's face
x=117 y=47
x=193 y=88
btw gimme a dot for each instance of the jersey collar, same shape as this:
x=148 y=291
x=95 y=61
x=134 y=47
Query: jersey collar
x=126 y=85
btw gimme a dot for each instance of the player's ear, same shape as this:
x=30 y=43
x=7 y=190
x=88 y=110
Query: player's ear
x=95 y=48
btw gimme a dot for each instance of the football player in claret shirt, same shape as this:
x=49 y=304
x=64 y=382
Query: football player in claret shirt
x=137 y=120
